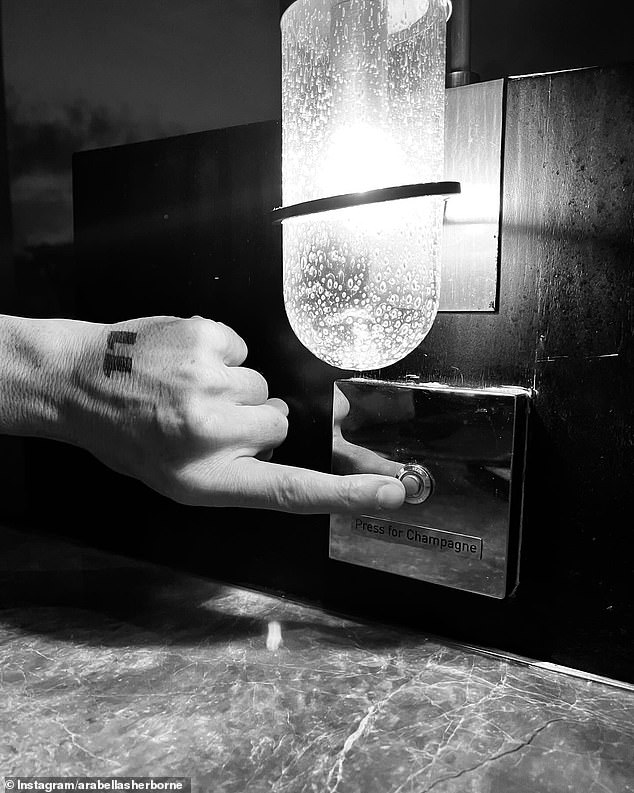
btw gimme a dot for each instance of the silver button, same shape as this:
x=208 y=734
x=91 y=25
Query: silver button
x=418 y=483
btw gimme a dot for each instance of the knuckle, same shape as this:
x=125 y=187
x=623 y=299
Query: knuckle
x=204 y=333
x=192 y=338
x=349 y=490
x=197 y=321
x=195 y=325
x=230 y=336
x=289 y=492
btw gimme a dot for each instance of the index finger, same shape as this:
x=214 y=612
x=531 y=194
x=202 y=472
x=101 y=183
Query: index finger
x=264 y=485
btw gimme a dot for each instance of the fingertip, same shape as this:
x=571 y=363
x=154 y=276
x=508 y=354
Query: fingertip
x=391 y=495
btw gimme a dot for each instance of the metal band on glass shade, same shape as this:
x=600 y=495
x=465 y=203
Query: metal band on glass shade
x=369 y=197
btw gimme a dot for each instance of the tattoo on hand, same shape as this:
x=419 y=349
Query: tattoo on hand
x=118 y=363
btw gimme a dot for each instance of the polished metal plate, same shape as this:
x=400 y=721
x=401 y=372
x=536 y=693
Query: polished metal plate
x=471 y=235
x=467 y=534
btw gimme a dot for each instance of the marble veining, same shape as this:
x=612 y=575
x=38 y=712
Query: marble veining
x=114 y=667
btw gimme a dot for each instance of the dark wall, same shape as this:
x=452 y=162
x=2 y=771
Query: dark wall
x=565 y=328
x=7 y=279
x=181 y=226
x=11 y=463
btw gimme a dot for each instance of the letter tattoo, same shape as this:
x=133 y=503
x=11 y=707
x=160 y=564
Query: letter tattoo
x=118 y=363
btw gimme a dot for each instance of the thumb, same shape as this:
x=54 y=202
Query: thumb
x=264 y=485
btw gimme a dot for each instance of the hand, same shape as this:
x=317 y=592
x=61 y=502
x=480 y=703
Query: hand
x=166 y=400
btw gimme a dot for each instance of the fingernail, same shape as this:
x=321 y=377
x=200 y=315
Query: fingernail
x=390 y=496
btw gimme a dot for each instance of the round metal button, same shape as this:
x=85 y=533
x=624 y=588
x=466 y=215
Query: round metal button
x=418 y=483
x=413 y=485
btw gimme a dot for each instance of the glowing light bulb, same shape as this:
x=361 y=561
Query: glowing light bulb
x=362 y=109
x=360 y=157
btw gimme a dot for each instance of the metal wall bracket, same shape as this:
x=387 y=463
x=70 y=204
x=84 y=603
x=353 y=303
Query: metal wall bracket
x=474 y=116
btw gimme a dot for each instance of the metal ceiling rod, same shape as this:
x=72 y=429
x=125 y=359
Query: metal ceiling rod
x=459 y=46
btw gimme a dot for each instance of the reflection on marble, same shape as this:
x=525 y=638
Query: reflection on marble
x=112 y=667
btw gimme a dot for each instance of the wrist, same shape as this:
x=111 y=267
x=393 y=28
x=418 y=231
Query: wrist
x=40 y=391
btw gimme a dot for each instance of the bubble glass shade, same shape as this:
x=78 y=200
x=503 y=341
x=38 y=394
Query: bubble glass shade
x=362 y=109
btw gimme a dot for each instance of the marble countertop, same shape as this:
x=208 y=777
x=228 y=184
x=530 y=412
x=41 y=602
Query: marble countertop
x=111 y=667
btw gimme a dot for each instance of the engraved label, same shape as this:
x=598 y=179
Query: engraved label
x=417 y=536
